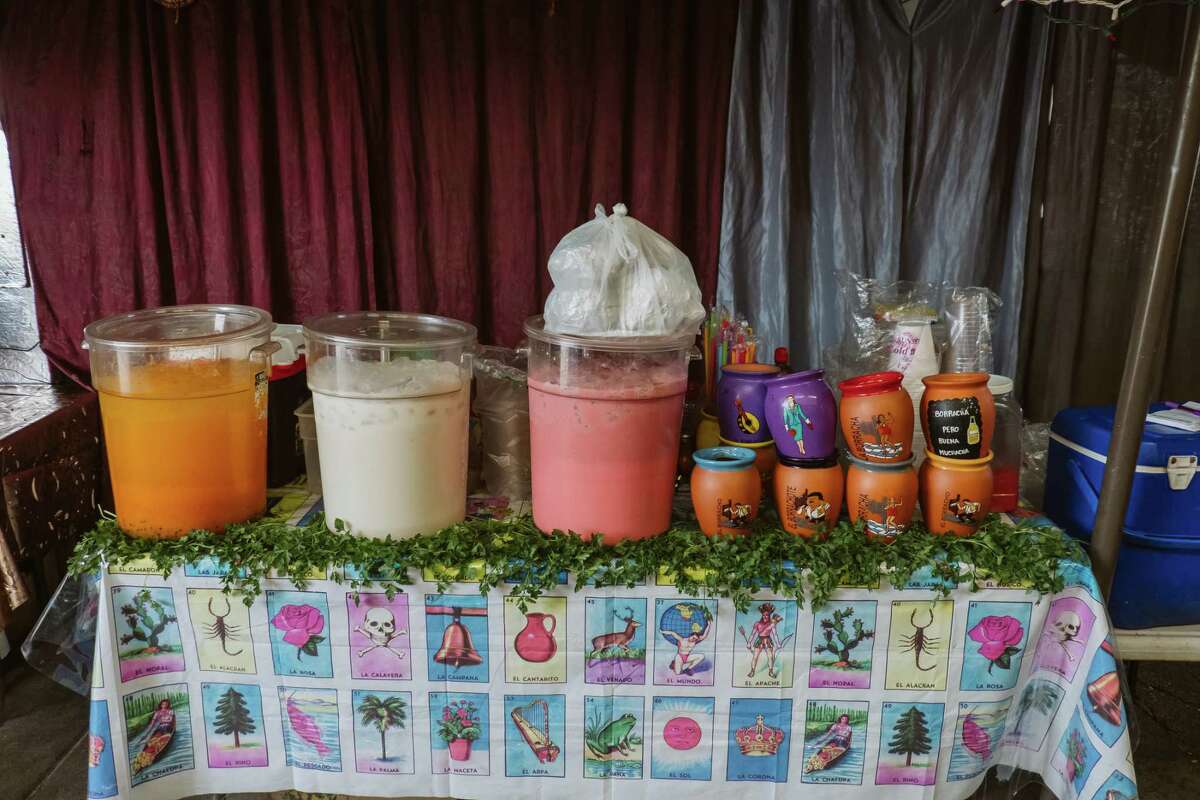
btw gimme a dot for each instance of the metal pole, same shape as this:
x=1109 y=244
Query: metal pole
x=1153 y=313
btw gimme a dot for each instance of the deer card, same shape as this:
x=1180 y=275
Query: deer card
x=147 y=631
x=535 y=734
x=535 y=641
x=764 y=645
x=221 y=630
x=615 y=640
x=910 y=737
x=1063 y=643
x=843 y=641
x=380 y=646
x=919 y=645
x=234 y=733
x=977 y=736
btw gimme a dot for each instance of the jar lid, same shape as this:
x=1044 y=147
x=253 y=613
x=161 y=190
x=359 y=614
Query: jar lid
x=1000 y=384
x=872 y=383
x=397 y=330
x=724 y=459
x=535 y=328
x=178 y=326
x=880 y=465
x=954 y=380
x=754 y=370
x=809 y=463
x=959 y=463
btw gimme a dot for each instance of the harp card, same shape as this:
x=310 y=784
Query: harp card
x=221 y=630
x=383 y=739
x=681 y=739
x=379 y=636
x=535 y=730
x=535 y=641
x=919 y=645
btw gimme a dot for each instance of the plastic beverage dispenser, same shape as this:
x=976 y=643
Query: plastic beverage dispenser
x=391 y=397
x=183 y=401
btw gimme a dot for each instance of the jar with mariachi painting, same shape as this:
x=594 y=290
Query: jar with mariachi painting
x=801 y=414
x=883 y=496
x=877 y=417
x=740 y=396
x=955 y=494
x=808 y=495
x=958 y=415
x=726 y=489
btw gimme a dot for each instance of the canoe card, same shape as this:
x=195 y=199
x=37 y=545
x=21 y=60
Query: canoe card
x=764 y=645
x=910 y=738
x=147 y=631
x=221 y=627
x=919 y=645
x=102 y=770
x=1117 y=786
x=379 y=636
x=835 y=741
x=995 y=644
x=383 y=735
x=310 y=728
x=681 y=738
x=234 y=731
x=467 y=658
x=1102 y=702
x=158 y=732
x=535 y=641
x=685 y=642
x=613 y=737
x=843 y=641
x=1075 y=756
x=535 y=735
x=760 y=739
x=1063 y=643
x=977 y=736
x=1033 y=714
x=615 y=640
x=299 y=631
x=459 y=733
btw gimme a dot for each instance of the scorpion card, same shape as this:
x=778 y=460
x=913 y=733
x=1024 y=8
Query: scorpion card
x=383 y=737
x=535 y=732
x=234 y=732
x=685 y=642
x=919 y=645
x=910 y=739
x=1063 y=643
x=977 y=736
x=147 y=631
x=616 y=640
x=221 y=629
x=535 y=641
x=299 y=630
x=843 y=642
x=681 y=738
x=613 y=737
x=764 y=645
x=996 y=641
x=379 y=636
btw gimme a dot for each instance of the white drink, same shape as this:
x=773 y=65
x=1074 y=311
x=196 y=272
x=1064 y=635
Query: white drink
x=393 y=444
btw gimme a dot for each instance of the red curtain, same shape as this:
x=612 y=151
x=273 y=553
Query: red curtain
x=310 y=156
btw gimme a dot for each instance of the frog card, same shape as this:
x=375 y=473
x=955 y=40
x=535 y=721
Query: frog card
x=919 y=645
x=379 y=636
x=221 y=630
x=535 y=641
x=147 y=631
x=835 y=741
x=685 y=642
x=456 y=638
x=234 y=733
x=383 y=732
x=977 y=735
x=158 y=732
x=843 y=643
x=681 y=738
x=613 y=733
x=910 y=738
x=615 y=640
x=760 y=739
x=535 y=733
x=459 y=733
x=996 y=641
x=764 y=645
x=299 y=630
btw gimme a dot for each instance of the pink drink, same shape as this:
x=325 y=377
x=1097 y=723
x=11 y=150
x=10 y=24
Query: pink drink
x=604 y=459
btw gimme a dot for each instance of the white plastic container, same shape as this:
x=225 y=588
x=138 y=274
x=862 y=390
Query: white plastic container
x=391 y=396
x=306 y=427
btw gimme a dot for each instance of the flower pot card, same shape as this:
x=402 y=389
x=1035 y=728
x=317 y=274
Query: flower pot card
x=459 y=733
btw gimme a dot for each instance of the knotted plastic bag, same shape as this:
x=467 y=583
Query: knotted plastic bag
x=613 y=276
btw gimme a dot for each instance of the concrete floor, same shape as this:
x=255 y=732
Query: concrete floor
x=43 y=727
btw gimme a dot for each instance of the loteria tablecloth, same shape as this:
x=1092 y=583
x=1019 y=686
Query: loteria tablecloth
x=634 y=692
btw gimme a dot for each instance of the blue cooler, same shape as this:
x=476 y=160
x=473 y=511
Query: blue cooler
x=1158 y=574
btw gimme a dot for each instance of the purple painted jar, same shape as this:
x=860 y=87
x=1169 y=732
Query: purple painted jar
x=801 y=414
x=740 y=395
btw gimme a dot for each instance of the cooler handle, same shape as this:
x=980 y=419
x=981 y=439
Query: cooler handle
x=1085 y=489
x=1161 y=542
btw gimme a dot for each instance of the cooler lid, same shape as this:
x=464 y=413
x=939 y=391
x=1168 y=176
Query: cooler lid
x=1088 y=430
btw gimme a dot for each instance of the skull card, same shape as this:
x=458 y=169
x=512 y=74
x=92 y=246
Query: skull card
x=1063 y=643
x=379 y=636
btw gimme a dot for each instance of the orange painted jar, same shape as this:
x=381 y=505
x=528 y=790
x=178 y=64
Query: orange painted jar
x=955 y=494
x=726 y=489
x=876 y=414
x=808 y=495
x=958 y=415
x=765 y=456
x=883 y=496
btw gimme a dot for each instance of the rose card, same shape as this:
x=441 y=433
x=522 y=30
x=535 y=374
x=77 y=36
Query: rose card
x=997 y=638
x=299 y=628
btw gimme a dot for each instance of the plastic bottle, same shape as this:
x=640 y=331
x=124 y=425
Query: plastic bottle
x=1006 y=444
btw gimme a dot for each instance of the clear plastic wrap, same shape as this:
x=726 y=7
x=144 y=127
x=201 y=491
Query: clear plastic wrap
x=613 y=276
x=502 y=408
x=969 y=311
x=888 y=325
x=62 y=644
x=1035 y=443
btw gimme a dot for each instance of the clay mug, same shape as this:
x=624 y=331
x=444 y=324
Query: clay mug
x=955 y=494
x=726 y=489
x=808 y=495
x=764 y=457
x=883 y=496
x=740 y=395
x=958 y=415
x=801 y=414
x=708 y=431
x=535 y=643
x=877 y=417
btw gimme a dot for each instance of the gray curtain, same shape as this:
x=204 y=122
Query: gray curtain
x=897 y=148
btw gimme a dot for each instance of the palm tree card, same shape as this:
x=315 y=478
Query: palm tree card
x=234 y=732
x=1034 y=713
x=383 y=740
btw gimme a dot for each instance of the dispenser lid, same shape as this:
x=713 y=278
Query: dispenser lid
x=397 y=330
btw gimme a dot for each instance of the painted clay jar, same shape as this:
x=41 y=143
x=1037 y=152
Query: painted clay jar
x=883 y=496
x=877 y=417
x=740 y=396
x=808 y=495
x=726 y=489
x=958 y=415
x=708 y=431
x=955 y=494
x=801 y=414
x=764 y=457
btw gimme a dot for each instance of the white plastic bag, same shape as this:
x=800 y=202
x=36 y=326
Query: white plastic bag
x=613 y=276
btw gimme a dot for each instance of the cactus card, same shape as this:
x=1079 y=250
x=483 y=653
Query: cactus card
x=681 y=738
x=158 y=732
x=310 y=728
x=843 y=641
x=996 y=641
x=764 y=646
x=234 y=732
x=379 y=637
x=299 y=631
x=147 y=630
x=535 y=735
x=613 y=737
x=383 y=736
x=535 y=641
x=685 y=642
x=835 y=741
x=910 y=739
x=760 y=739
x=615 y=640
x=459 y=733
x=221 y=629
x=977 y=736
x=919 y=645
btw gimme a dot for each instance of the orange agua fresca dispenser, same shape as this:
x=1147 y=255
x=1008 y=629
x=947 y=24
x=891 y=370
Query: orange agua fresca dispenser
x=183 y=401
